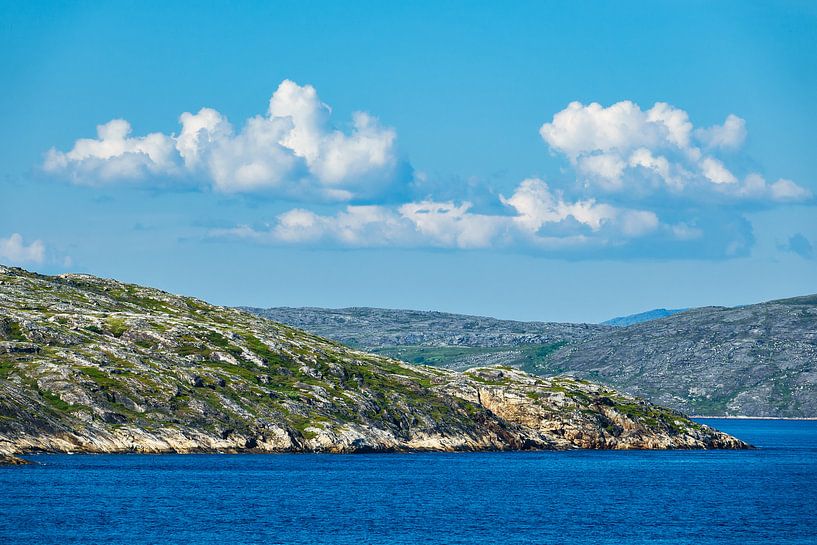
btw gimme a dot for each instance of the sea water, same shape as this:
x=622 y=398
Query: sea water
x=767 y=495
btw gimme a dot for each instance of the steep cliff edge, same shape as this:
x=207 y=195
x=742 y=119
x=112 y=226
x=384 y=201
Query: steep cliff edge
x=95 y=365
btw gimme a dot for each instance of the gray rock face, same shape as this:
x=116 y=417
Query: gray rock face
x=94 y=365
x=758 y=360
x=374 y=328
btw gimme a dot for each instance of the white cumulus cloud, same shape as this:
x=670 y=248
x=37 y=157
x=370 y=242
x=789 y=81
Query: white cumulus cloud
x=292 y=149
x=623 y=148
x=537 y=217
x=730 y=135
x=114 y=155
x=14 y=251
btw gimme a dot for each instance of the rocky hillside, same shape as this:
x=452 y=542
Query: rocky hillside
x=94 y=365
x=758 y=360
x=654 y=314
x=451 y=341
x=368 y=328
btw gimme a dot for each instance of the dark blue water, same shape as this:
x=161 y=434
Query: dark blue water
x=764 y=496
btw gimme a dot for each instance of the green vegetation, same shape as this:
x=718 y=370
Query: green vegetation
x=101 y=378
x=116 y=326
x=7 y=366
x=15 y=332
x=56 y=402
x=219 y=340
x=193 y=350
x=528 y=357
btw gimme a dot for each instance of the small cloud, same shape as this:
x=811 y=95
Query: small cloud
x=684 y=231
x=14 y=251
x=730 y=135
x=800 y=245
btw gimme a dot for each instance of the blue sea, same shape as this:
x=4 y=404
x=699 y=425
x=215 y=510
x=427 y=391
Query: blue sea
x=768 y=495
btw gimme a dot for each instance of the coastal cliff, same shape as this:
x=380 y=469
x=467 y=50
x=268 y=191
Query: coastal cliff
x=95 y=365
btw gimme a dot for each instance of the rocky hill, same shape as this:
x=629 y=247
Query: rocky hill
x=452 y=341
x=640 y=317
x=368 y=328
x=756 y=360
x=94 y=365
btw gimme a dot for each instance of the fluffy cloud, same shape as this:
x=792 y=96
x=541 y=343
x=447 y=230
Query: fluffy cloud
x=537 y=218
x=15 y=252
x=730 y=135
x=115 y=155
x=623 y=148
x=292 y=150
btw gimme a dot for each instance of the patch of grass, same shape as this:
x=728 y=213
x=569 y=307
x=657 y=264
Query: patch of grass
x=56 y=402
x=216 y=338
x=299 y=423
x=133 y=296
x=265 y=353
x=161 y=328
x=7 y=367
x=193 y=304
x=528 y=357
x=432 y=355
x=117 y=326
x=100 y=377
x=236 y=370
x=487 y=380
x=652 y=416
x=15 y=332
x=192 y=350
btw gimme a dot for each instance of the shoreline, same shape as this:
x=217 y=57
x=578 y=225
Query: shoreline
x=699 y=417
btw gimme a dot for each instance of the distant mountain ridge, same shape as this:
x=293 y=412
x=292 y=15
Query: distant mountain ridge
x=752 y=360
x=654 y=314
x=367 y=327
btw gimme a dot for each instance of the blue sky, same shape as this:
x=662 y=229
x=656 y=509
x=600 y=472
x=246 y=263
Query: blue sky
x=561 y=161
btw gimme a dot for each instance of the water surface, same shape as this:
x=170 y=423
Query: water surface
x=768 y=495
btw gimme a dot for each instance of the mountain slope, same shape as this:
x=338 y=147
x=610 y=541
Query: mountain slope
x=366 y=327
x=452 y=341
x=758 y=360
x=94 y=365
x=631 y=319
